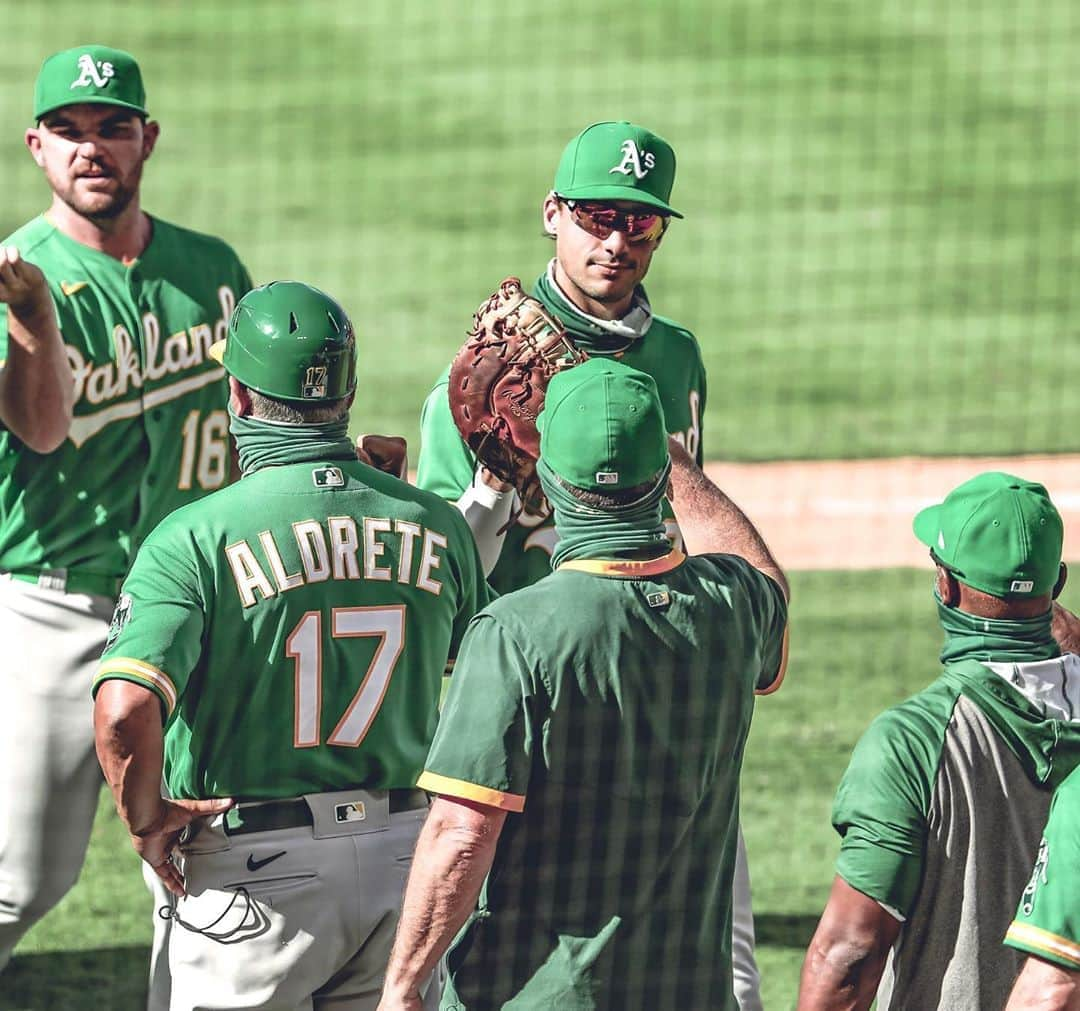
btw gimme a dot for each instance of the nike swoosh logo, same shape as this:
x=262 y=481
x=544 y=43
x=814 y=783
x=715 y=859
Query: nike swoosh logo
x=70 y=287
x=254 y=865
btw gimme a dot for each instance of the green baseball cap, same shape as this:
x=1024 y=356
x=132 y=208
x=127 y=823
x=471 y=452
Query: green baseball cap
x=602 y=427
x=618 y=161
x=291 y=341
x=997 y=533
x=97 y=74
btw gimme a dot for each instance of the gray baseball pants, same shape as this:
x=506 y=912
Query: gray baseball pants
x=49 y=774
x=299 y=918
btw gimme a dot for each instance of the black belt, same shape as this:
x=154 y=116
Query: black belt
x=265 y=816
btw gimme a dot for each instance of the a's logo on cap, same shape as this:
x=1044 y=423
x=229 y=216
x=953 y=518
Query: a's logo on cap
x=1021 y=586
x=633 y=160
x=315 y=383
x=607 y=477
x=89 y=73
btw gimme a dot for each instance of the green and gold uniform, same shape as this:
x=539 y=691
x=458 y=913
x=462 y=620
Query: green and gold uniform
x=296 y=626
x=1047 y=922
x=150 y=433
x=608 y=704
x=666 y=351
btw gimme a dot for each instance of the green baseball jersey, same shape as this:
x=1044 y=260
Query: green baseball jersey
x=940 y=811
x=1047 y=923
x=613 y=722
x=669 y=353
x=296 y=626
x=150 y=431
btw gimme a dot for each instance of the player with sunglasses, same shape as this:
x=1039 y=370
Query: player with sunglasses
x=607 y=213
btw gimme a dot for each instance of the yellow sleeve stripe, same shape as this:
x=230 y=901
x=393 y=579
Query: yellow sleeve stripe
x=147 y=673
x=627 y=568
x=434 y=783
x=1036 y=939
x=777 y=681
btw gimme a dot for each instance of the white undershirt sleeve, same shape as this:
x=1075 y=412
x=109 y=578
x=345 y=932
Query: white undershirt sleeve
x=487 y=512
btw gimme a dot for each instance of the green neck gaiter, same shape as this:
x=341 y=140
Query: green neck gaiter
x=1017 y=640
x=597 y=336
x=271 y=444
x=633 y=530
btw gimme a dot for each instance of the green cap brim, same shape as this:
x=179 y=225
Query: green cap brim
x=926 y=524
x=619 y=193
x=90 y=100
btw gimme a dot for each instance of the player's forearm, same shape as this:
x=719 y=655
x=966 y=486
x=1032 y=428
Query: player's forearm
x=37 y=387
x=486 y=504
x=451 y=861
x=710 y=522
x=128 y=738
x=838 y=977
x=1043 y=986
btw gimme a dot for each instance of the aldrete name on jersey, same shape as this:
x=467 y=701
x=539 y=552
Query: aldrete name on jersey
x=338 y=548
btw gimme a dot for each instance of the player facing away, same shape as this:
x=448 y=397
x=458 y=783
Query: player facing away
x=607 y=213
x=941 y=806
x=116 y=422
x=587 y=758
x=290 y=634
x=1047 y=923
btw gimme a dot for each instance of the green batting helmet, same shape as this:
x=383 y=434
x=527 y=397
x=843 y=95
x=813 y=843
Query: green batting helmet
x=290 y=341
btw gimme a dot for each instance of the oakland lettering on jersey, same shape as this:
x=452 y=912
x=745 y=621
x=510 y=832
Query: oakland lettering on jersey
x=170 y=356
x=340 y=548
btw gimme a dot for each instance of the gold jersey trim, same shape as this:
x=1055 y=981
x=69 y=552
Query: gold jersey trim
x=1030 y=936
x=627 y=568
x=434 y=783
x=143 y=672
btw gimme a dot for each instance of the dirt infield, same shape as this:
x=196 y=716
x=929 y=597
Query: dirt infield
x=856 y=514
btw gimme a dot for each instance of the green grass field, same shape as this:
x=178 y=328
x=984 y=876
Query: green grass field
x=860 y=642
x=878 y=255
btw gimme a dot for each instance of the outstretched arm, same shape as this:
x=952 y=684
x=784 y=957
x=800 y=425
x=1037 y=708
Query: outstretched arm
x=710 y=521
x=37 y=388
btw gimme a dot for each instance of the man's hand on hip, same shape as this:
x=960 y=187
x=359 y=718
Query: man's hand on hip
x=156 y=844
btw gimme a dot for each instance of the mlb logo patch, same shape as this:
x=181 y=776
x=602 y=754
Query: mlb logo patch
x=353 y=811
x=1022 y=586
x=607 y=477
x=328 y=477
x=659 y=599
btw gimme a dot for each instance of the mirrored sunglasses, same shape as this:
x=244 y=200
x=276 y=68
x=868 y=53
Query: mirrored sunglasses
x=601 y=220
